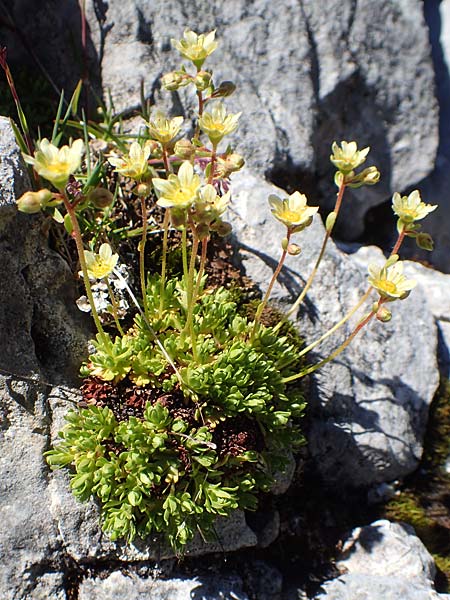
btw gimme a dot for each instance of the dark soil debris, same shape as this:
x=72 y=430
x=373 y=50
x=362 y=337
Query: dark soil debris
x=238 y=435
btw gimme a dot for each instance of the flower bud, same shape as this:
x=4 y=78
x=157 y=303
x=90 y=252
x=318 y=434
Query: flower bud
x=383 y=314
x=202 y=231
x=230 y=163
x=184 y=149
x=34 y=202
x=285 y=243
x=369 y=176
x=178 y=217
x=172 y=81
x=226 y=88
x=338 y=179
x=222 y=228
x=143 y=190
x=331 y=220
x=293 y=249
x=425 y=241
x=100 y=197
x=235 y=162
x=202 y=80
x=153 y=146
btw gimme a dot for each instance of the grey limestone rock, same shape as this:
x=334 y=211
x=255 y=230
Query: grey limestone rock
x=383 y=561
x=370 y=587
x=35 y=281
x=387 y=549
x=131 y=587
x=369 y=407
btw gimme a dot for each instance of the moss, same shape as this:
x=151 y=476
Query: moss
x=425 y=501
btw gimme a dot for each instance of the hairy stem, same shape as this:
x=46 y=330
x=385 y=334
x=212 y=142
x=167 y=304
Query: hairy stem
x=338 y=325
x=334 y=354
x=166 y=160
x=164 y=262
x=142 y=256
x=76 y=233
x=264 y=301
x=190 y=295
x=201 y=269
x=115 y=308
x=399 y=242
x=200 y=110
x=308 y=284
x=212 y=164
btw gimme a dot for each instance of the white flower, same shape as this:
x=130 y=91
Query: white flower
x=411 y=208
x=102 y=264
x=390 y=282
x=196 y=47
x=56 y=164
x=293 y=211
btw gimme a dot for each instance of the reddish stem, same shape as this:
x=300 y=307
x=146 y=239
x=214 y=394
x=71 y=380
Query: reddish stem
x=401 y=237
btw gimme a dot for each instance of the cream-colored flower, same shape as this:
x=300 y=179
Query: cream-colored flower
x=390 y=282
x=178 y=191
x=216 y=124
x=196 y=47
x=293 y=211
x=134 y=165
x=102 y=264
x=209 y=206
x=56 y=164
x=411 y=208
x=163 y=129
x=347 y=157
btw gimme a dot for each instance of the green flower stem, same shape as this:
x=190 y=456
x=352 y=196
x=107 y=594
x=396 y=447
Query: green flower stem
x=334 y=354
x=212 y=164
x=319 y=259
x=190 y=295
x=264 y=301
x=184 y=253
x=200 y=110
x=150 y=328
x=201 y=269
x=338 y=325
x=79 y=243
x=115 y=307
x=164 y=262
x=142 y=257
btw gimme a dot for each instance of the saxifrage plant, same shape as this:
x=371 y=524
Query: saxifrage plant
x=190 y=410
